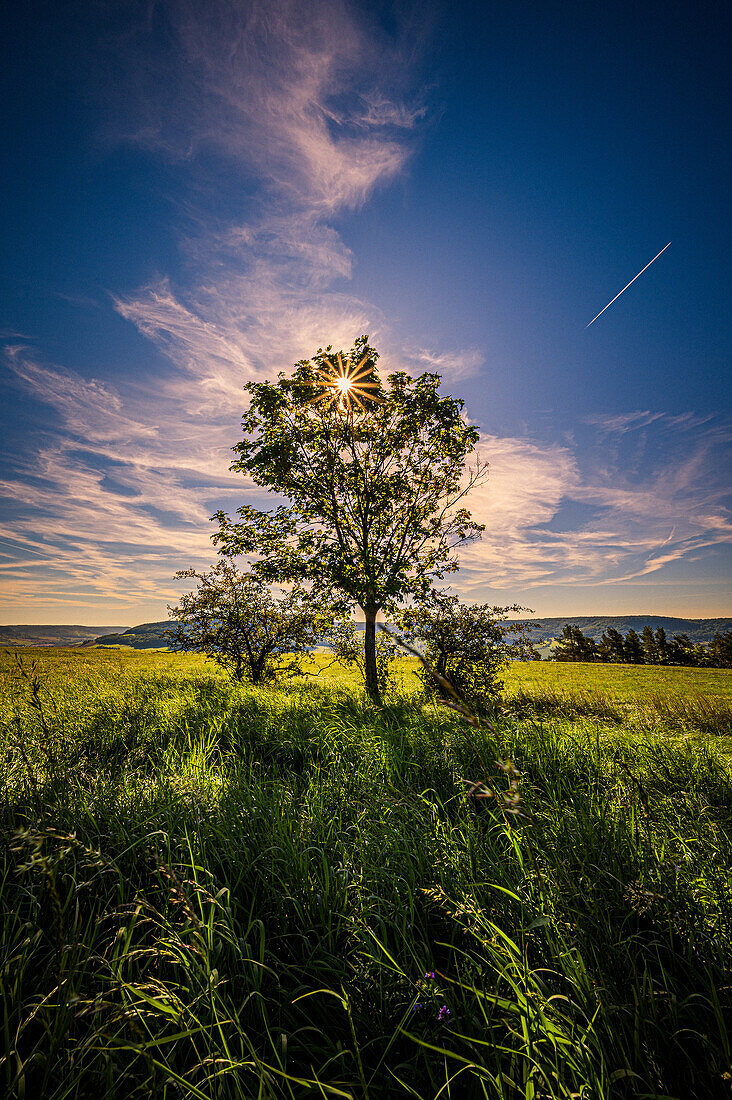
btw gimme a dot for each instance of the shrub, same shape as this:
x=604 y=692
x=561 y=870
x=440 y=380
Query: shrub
x=468 y=644
x=235 y=620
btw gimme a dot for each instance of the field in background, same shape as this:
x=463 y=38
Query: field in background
x=208 y=890
x=621 y=682
x=670 y=698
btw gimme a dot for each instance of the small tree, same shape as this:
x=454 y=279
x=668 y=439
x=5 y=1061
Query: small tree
x=650 y=649
x=661 y=646
x=682 y=651
x=573 y=645
x=235 y=620
x=612 y=646
x=633 y=648
x=468 y=644
x=374 y=475
x=720 y=650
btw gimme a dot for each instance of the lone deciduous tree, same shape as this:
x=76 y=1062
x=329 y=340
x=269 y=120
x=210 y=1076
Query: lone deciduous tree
x=235 y=620
x=374 y=477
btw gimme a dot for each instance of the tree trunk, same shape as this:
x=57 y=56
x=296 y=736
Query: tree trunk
x=372 y=681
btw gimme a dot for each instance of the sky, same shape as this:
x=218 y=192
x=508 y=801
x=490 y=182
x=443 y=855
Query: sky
x=199 y=195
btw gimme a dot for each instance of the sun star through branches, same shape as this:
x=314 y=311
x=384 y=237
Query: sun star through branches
x=348 y=385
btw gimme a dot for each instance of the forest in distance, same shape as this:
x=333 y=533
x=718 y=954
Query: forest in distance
x=694 y=642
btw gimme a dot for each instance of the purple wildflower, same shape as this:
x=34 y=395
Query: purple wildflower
x=430 y=975
x=443 y=1013
x=417 y=1005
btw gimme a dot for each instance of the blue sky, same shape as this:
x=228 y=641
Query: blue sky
x=196 y=195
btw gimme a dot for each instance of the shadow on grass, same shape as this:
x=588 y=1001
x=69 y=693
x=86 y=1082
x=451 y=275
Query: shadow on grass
x=291 y=894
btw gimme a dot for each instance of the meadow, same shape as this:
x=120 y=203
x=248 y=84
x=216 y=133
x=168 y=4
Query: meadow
x=214 y=891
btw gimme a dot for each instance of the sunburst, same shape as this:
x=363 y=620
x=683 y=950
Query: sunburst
x=348 y=385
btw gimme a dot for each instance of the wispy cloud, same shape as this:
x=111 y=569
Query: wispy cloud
x=309 y=104
x=454 y=366
x=311 y=112
x=633 y=524
x=91 y=410
x=302 y=97
x=111 y=506
x=620 y=423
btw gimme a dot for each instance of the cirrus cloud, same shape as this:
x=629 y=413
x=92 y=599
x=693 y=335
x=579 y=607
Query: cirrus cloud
x=311 y=111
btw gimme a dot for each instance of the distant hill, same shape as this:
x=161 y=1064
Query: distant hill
x=148 y=635
x=594 y=626
x=145 y=636
x=52 y=635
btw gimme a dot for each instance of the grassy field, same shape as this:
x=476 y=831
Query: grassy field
x=214 y=891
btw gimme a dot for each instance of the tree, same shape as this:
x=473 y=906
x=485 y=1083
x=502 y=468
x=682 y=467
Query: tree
x=573 y=645
x=633 y=648
x=682 y=651
x=661 y=646
x=235 y=620
x=612 y=646
x=467 y=644
x=650 y=649
x=720 y=650
x=374 y=477
x=347 y=642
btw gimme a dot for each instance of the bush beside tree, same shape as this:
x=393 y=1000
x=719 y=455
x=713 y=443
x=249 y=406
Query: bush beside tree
x=234 y=619
x=468 y=644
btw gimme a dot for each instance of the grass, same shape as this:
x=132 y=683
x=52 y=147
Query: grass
x=209 y=890
x=666 y=700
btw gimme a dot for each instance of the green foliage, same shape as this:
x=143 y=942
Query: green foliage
x=654 y=648
x=574 y=646
x=235 y=620
x=650 y=651
x=612 y=646
x=720 y=650
x=468 y=644
x=374 y=496
x=242 y=892
x=632 y=648
x=698 y=630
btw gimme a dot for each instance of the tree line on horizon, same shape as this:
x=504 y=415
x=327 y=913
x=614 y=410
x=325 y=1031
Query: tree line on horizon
x=652 y=647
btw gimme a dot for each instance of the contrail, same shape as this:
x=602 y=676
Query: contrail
x=629 y=284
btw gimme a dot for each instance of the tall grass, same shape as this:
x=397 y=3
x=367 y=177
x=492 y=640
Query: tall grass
x=214 y=891
x=663 y=711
